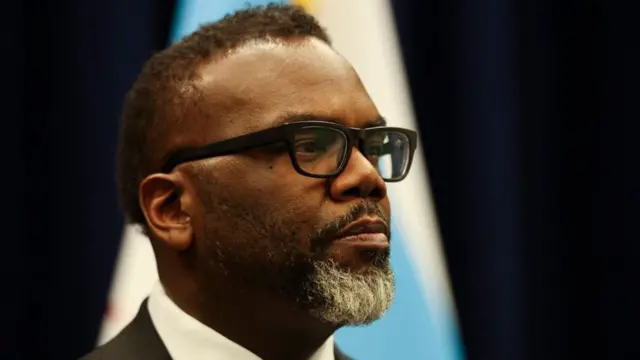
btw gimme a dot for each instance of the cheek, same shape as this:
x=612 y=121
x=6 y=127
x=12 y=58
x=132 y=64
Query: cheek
x=268 y=202
x=258 y=200
x=386 y=206
x=296 y=203
x=276 y=185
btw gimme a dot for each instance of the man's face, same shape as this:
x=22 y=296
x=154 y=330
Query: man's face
x=264 y=224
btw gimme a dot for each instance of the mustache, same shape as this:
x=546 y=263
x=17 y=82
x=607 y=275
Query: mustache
x=323 y=238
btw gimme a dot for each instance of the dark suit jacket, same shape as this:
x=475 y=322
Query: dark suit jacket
x=139 y=340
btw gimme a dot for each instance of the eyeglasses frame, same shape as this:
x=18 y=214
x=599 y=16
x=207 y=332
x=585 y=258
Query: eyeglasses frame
x=286 y=133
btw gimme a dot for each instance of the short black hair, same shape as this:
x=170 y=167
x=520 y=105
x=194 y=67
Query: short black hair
x=158 y=99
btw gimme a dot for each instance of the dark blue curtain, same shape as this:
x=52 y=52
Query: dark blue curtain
x=528 y=113
x=67 y=66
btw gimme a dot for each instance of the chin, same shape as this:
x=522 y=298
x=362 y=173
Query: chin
x=350 y=297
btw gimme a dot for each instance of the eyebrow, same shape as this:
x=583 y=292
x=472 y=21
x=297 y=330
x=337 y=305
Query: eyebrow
x=293 y=118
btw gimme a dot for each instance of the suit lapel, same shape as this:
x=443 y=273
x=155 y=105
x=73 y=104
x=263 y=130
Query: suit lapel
x=145 y=337
x=140 y=340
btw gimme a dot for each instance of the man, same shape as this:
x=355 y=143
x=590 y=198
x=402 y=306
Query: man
x=255 y=161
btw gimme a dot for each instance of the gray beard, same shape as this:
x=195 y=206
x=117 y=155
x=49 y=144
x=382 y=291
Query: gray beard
x=328 y=291
x=348 y=298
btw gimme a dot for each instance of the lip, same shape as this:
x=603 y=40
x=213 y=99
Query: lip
x=365 y=232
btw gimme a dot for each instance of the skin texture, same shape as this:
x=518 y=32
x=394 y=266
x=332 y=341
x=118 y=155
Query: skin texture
x=237 y=245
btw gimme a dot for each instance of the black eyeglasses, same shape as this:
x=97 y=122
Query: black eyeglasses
x=320 y=149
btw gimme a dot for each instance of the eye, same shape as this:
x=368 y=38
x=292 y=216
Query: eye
x=375 y=149
x=315 y=144
x=310 y=146
x=375 y=145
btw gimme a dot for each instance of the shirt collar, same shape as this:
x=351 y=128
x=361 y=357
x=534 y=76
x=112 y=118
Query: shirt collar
x=187 y=338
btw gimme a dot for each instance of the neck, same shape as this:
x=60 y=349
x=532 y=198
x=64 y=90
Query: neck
x=268 y=326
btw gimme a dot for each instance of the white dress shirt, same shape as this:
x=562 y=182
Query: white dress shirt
x=188 y=339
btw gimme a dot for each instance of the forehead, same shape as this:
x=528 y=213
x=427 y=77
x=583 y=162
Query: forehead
x=258 y=84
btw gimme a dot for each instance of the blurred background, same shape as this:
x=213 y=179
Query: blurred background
x=513 y=233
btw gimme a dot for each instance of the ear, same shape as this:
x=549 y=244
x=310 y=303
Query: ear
x=167 y=206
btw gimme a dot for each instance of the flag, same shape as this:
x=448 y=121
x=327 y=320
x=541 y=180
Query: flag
x=421 y=324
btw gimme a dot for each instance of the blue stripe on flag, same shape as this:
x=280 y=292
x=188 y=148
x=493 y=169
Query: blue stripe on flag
x=190 y=14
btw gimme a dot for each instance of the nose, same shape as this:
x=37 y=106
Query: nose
x=360 y=179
